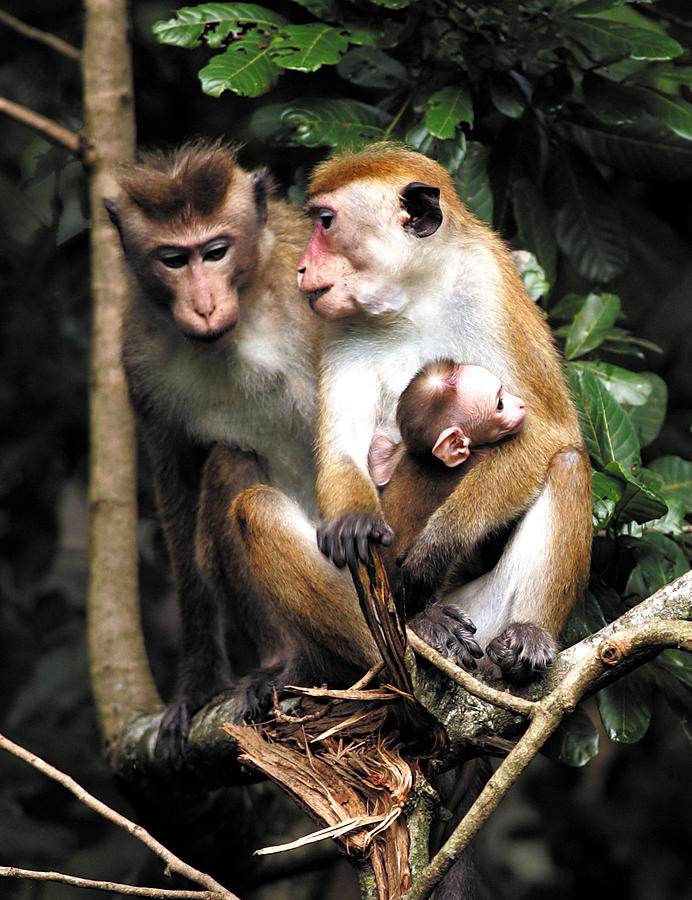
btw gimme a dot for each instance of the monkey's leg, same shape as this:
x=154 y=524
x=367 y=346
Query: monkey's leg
x=313 y=601
x=519 y=606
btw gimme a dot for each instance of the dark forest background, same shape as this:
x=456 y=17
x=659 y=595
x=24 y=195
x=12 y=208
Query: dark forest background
x=620 y=823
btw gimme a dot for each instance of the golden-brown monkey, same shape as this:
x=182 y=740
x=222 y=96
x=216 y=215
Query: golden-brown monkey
x=402 y=274
x=219 y=352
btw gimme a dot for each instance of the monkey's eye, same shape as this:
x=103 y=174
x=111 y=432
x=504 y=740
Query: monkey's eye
x=500 y=404
x=215 y=252
x=324 y=216
x=173 y=259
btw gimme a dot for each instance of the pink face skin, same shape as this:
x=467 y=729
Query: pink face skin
x=487 y=413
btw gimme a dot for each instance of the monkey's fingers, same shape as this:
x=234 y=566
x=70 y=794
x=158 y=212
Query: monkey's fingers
x=345 y=539
x=450 y=632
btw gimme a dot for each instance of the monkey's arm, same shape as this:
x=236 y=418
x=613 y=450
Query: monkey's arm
x=492 y=493
x=348 y=499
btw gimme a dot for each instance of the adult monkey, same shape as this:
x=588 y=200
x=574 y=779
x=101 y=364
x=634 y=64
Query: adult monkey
x=402 y=274
x=219 y=352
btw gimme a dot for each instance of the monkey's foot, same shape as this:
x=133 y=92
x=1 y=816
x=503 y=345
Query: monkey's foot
x=255 y=693
x=523 y=652
x=450 y=632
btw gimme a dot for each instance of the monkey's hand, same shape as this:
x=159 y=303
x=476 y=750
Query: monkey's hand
x=345 y=539
x=523 y=652
x=450 y=632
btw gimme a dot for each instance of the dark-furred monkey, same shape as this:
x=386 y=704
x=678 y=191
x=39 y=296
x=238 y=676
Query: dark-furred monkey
x=402 y=274
x=219 y=352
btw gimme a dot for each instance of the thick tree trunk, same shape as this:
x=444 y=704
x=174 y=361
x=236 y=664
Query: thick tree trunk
x=120 y=673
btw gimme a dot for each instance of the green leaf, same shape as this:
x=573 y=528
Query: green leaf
x=332 y=123
x=644 y=396
x=608 y=433
x=191 y=22
x=673 y=675
x=391 y=4
x=626 y=706
x=606 y=40
x=674 y=112
x=245 y=68
x=585 y=618
x=576 y=740
x=592 y=7
x=676 y=474
x=645 y=149
x=588 y=227
x=471 y=179
x=637 y=503
x=591 y=324
x=605 y=493
x=447 y=109
x=370 y=67
x=305 y=48
x=532 y=275
x=609 y=101
x=534 y=225
x=321 y=9
x=659 y=561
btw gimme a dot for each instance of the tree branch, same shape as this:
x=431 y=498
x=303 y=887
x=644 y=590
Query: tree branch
x=47 y=127
x=546 y=716
x=114 y=887
x=172 y=862
x=35 y=34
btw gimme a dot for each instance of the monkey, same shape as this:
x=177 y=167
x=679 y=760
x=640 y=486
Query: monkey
x=219 y=352
x=448 y=415
x=401 y=273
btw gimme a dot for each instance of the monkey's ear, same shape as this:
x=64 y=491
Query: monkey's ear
x=422 y=203
x=452 y=447
x=383 y=458
x=114 y=215
x=261 y=188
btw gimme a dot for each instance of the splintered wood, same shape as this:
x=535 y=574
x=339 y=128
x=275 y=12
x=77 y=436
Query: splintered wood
x=349 y=756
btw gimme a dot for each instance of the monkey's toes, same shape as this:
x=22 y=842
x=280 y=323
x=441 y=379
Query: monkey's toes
x=523 y=652
x=449 y=631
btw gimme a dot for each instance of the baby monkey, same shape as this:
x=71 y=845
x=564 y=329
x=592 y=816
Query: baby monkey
x=449 y=414
x=452 y=411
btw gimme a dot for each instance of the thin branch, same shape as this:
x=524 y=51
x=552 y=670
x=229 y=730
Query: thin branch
x=172 y=862
x=35 y=34
x=114 y=887
x=546 y=716
x=47 y=127
x=472 y=685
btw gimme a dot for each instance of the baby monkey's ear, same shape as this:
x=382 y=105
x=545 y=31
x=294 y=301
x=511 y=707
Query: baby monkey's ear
x=452 y=446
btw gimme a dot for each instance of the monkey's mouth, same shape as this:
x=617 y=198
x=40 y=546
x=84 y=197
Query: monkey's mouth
x=314 y=296
x=211 y=338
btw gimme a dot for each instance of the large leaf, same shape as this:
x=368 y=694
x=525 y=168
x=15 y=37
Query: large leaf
x=576 y=740
x=659 y=561
x=672 y=671
x=591 y=324
x=305 y=48
x=534 y=225
x=192 y=22
x=317 y=123
x=245 y=68
x=645 y=148
x=674 y=112
x=606 y=40
x=370 y=67
x=644 y=396
x=626 y=706
x=588 y=227
x=637 y=503
x=609 y=101
x=447 y=109
x=608 y=433
x=605 y=493
x=676 y=475
x=471 y=179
